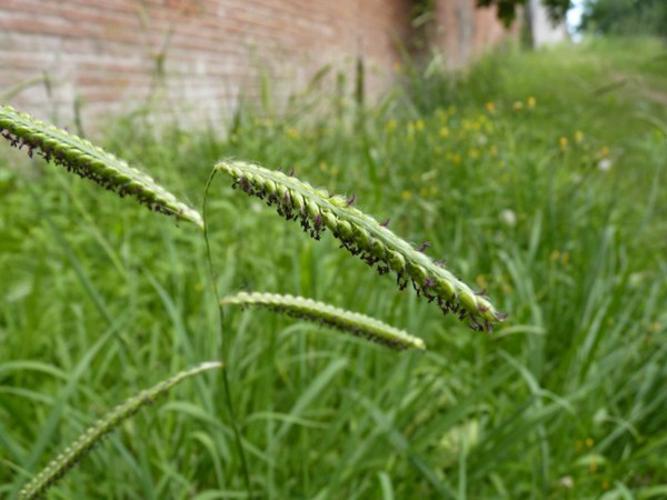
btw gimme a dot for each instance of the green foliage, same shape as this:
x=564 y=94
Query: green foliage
x=626 y=17
x=507 y=9
x=319 y=312
x=546 y=186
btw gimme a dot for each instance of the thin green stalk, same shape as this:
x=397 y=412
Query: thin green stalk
x=213 y=277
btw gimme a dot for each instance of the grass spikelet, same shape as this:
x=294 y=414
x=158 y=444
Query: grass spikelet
x=89 y=161
x=362 y=235
x=340 y=319
x=64 y=462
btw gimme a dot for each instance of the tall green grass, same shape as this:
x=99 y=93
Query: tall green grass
x=555 y=206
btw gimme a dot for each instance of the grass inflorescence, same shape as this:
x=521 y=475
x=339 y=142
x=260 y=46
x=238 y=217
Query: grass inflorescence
x=319 y=312
x=362 y=235
x=83 y=158
x=73 y=454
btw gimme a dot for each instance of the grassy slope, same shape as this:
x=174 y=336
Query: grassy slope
x=100 y=298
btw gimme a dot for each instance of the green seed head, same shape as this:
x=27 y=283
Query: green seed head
x=340 y=319
x=83 y=158
x=362 y=235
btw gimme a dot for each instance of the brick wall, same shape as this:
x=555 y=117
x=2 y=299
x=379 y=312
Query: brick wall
x=202 y=55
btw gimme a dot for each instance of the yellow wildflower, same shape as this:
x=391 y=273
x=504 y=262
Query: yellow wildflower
x=406 y=195
x=444 y=132
x=563 y=142
x=390 y=126
x=490 y=106
x=578 y=137
x=518 y=106
x=531 y=102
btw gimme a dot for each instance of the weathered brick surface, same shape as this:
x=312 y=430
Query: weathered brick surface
x=202 y=55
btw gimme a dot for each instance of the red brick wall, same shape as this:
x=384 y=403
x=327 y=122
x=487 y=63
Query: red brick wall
x=107 y=53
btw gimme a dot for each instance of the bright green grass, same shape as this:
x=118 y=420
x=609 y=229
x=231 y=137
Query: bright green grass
x=567 y=400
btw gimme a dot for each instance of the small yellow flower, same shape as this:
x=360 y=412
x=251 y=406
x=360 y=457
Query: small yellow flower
x=578 y=137
x=604 y=152
x=390 y=126
x=531 y=102
x=444 y=132
x=323 y=166
x=517 y=106
x=293 y=133
x=490 y=106
x=563 y=142
x=419 y=125
x=589 y=442
x=456 y=159
x=406 y=195
x=473 y=153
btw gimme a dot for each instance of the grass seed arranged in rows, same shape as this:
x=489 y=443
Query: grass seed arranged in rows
x=362 y=235
x=63 y=463
x=357 y=324
x=89 y=161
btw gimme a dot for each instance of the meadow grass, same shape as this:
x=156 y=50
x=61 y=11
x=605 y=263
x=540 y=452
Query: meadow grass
x=539 y=177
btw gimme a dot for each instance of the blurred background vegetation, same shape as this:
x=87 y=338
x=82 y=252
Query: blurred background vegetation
x=626 y=17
